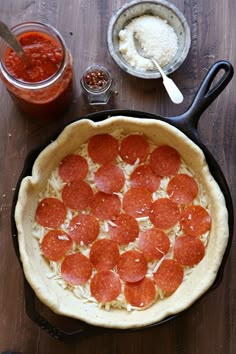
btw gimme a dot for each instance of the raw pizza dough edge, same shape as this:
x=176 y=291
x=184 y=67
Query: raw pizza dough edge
x=61 y=301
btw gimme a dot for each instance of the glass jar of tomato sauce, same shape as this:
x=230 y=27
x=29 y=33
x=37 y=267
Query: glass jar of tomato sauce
x=44 y=88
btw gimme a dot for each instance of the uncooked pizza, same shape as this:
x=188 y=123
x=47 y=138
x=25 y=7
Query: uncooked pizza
x=123 y=221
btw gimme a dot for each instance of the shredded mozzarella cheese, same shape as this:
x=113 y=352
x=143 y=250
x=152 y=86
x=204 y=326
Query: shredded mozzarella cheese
x=54 y=188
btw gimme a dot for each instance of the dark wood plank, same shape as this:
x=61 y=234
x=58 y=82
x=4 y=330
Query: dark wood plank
x=209 y=325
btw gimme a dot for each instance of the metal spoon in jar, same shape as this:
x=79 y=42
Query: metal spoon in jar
x=12 y=41
x=171 y=88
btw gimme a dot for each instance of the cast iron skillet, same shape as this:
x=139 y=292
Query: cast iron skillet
x=187 y=123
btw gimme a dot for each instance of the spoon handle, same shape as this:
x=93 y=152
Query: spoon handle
x=9 y=37
x=171 y=88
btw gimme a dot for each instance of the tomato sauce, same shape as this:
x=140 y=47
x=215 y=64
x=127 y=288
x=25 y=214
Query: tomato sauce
x=46 y=57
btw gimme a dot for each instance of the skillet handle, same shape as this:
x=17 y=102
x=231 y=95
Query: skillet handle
x=206 y=94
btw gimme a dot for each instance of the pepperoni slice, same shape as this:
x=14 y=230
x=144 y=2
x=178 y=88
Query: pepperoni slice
x=143 y=176
x=140 y=294
x=125 y=230
x=51 y=213
x=84 y=228
x=182 y=189
x=105 y=286
x=164 y=213
x=77 y=195
x=106 y=206
x=137 y=202
x=188 y=250
x=154 y=244
x=55 y=244
x=76 y=269
x=132 y=266
x=169 y=275
x=73 y=168
x=195 y=220
x=165 y=161
x=104 y=254
x=134 y=147
x=109 y=178
x=103 y=148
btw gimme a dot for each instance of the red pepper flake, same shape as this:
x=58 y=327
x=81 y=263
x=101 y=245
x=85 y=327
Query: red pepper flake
x=96 y=79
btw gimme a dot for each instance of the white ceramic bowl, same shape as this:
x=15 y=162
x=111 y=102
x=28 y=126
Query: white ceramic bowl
x=160 y=8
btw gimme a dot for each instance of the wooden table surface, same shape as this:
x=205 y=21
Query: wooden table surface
x=209 y=326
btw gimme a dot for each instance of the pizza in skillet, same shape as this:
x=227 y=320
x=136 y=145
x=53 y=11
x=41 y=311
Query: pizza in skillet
x=124 y=216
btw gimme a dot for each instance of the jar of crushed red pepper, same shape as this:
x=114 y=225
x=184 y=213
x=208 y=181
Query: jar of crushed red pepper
x=44 y=88
x=96 y=83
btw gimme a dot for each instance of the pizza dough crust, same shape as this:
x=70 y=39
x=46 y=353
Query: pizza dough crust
x=64 y=302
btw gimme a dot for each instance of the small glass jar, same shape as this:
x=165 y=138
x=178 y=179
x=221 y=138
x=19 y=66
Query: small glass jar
x=47 y=98
x=96 y=83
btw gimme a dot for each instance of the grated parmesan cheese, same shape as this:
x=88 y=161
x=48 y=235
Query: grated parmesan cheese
x=156 y=38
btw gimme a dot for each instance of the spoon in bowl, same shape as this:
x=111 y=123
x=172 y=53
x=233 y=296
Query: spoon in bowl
x=12 y=41
x=171 y=88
